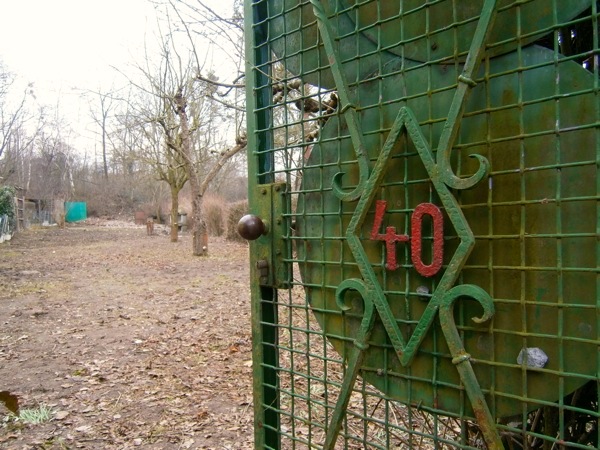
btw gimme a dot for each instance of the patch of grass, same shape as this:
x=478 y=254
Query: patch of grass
x=40 y=414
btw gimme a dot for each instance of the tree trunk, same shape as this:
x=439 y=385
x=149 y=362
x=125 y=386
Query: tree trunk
x=197 y=188
x=174 y=213
x=199 y=234
x=104 y=158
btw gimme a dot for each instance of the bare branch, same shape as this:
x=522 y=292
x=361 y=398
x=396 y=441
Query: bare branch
x=227 y=105
x=199 y=77
x=240 y=144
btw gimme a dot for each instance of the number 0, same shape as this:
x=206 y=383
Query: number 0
x=416 y=241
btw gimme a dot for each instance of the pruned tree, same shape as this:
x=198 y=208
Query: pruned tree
x=159 y=148
x=299 y=102
x=185 y=118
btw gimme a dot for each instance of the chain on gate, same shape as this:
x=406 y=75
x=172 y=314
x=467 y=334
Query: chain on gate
x=424 y=193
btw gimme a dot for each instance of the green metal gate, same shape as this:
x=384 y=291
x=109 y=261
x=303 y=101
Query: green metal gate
x=424 y=232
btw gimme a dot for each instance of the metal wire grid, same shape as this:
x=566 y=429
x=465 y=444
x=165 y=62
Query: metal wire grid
x=535 y=224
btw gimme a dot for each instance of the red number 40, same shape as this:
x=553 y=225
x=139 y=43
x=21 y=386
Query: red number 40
x=390 y=237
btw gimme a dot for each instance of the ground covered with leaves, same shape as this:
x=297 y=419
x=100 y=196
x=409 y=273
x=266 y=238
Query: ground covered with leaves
x=112 y=339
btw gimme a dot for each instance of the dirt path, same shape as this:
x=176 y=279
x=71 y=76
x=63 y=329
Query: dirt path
x=131 y=341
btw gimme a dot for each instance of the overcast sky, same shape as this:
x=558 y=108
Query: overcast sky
x=65 y=47
x=66 y=43
x=68 y=46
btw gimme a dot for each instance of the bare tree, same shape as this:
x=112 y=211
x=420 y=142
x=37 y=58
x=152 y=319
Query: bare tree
x=53 y=162
x=206 y=28
x=100 y=115
x=159 y=148
x=18 y=128
x=10 y=115
x=297 y=100
x=184 y=116
x=15 y=164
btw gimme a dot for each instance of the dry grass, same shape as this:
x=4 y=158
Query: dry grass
x=214 y=212
x=235 y=212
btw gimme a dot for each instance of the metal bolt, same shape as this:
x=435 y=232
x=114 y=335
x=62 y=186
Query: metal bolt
x=532 y=357
x=263 y=268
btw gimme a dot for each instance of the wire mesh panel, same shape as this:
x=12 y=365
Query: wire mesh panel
x=424 y=189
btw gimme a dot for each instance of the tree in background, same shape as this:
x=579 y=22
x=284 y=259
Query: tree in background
x=18 y=129
x=186 y=117
x=158 y=147
x=100 y=115
x=11 y=115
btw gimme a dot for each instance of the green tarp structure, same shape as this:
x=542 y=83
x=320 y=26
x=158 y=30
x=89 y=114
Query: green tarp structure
x=75 y=211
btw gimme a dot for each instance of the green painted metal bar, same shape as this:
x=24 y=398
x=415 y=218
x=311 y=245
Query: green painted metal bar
x=370 y=286
x=465 y=84
x=260 y=165
x=462 y=359
x=360 y=344
x=596 y=72
x=347 y=106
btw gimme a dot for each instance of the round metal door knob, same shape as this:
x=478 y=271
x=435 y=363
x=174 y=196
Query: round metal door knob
x=251 y=227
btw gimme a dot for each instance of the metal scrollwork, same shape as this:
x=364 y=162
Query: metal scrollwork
x=443 y=178
x=462 y=359
x=347 y=109
x=465 y=84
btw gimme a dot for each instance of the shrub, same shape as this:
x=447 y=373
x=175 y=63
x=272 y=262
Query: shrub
x=236 y=211
x=7 y=201
x=213 y=214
